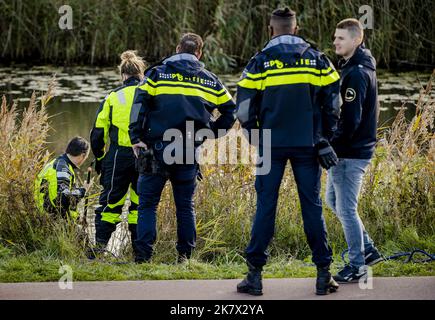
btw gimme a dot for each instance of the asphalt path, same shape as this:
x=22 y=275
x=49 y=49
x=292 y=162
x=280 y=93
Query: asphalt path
x=402 y=288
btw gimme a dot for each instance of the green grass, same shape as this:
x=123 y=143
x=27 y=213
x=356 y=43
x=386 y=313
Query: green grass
x=396 y=205
x=40 y=267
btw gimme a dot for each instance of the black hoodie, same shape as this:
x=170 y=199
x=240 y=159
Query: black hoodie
x=355 y=137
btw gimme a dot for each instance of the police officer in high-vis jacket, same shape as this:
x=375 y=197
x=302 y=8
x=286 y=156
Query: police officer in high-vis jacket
x=117 y=164
x=55 y=186
x=291 y=89
x=177 y=94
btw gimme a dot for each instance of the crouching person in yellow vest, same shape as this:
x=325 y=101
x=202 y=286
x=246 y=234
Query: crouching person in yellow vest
x=55 y=186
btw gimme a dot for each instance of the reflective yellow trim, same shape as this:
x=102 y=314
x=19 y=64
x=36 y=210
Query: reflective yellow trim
x=163 y=82
x=330 y=78
x=119 y=203
x=289 y=79
x=187 y=89
x=192 y=92
x=148 y=88
x=134 y=198
x=277 y=71
x=225 y=98
x=111 y=217
x=251 y=84
x=132 y=217
x=103 y=120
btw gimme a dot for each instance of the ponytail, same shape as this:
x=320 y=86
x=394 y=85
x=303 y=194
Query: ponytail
x=132 y=64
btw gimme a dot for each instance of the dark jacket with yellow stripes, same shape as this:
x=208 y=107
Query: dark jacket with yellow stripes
x=178 y=90
x=113 y=119
x=292 y=89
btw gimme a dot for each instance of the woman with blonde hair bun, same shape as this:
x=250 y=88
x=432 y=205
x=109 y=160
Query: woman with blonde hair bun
x=116 y=163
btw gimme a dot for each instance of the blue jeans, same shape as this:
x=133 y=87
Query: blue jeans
x=150 y=187
x=307 y=172
x=342 y=189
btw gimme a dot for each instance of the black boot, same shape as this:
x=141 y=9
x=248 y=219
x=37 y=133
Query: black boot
x=252 y=283
x=325 y=283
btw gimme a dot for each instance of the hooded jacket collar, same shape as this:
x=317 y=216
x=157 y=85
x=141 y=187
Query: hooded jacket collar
x=362 y=56
x=284 y=44
x=185 y=62
x=284 y=39
x=131 y=81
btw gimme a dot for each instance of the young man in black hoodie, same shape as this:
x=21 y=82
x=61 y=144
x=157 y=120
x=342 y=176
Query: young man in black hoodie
x=354 y=142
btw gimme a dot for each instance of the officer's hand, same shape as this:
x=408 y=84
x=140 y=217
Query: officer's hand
x=326 y=154
x=136 y=147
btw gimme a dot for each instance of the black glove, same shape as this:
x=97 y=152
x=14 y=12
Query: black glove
x=327 y=156
x=98 y=166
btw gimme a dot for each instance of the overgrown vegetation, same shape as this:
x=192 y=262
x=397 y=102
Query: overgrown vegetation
x=233 y=30
x=397 y=207
x=23 y=137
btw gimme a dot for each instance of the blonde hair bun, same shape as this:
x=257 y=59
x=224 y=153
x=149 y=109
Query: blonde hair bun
x=132 y=64
x=128 y=55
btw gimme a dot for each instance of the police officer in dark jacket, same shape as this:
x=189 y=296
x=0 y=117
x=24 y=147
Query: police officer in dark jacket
x=291 y=89
x=354 y=142
x=177 y=95
x=117 y=164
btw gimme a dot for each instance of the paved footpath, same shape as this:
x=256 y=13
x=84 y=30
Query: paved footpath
x=382 y=288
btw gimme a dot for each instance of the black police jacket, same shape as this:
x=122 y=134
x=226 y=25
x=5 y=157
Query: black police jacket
x=178 y=90
x=293 y=90
x=355 y=137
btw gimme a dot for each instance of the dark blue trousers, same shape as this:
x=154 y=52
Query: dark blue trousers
x=150 y=187
x=307 y=173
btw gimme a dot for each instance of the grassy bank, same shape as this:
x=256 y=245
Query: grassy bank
x=233 y=30
x=40 y=266
x=397 y=207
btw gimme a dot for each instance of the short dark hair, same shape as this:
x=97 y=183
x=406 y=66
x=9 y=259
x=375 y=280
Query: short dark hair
x=283 y=18
x=190 y=43
x=354 y=27
x=77 y=146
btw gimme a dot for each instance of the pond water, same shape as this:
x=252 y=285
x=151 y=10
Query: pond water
x=80 y=90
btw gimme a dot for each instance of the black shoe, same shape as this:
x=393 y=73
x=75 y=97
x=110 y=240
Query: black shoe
x=372 y=257
x=325 y=284
x=349 y=274
x=252 y=283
